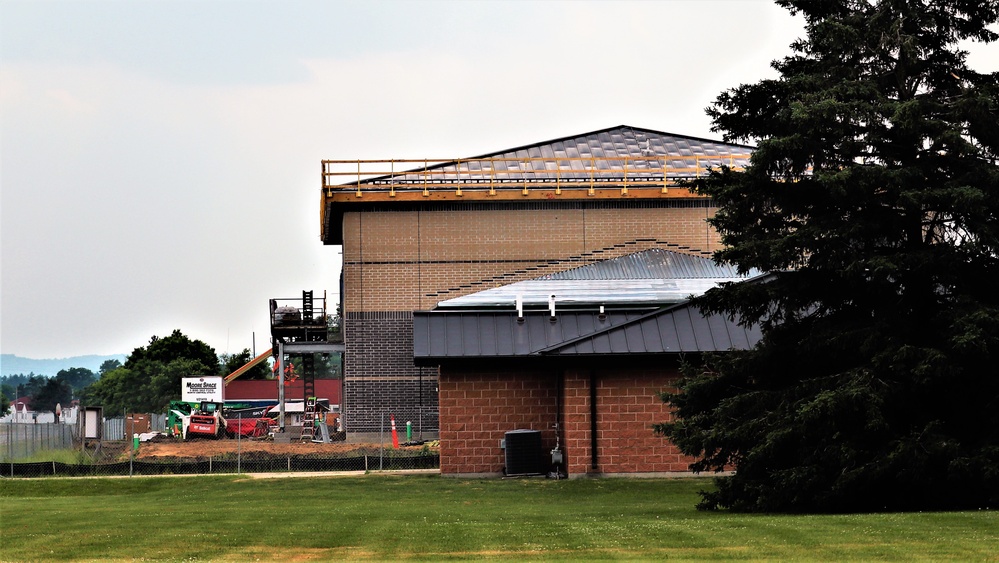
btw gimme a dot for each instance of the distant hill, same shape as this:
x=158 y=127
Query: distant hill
x=12 y=365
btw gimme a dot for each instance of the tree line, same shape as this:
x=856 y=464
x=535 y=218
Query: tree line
x=148 y=380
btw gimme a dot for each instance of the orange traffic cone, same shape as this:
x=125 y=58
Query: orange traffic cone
x=395 y=437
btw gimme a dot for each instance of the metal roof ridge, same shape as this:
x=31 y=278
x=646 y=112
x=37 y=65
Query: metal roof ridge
x=638 y=254
x=605 y=129
x=762 y=278
x=557 y=140
x=571 y=341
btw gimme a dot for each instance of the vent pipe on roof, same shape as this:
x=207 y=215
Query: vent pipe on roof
x=520 y=308
x=551 y=307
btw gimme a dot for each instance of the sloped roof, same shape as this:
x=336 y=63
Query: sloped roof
x=463 y=334
x=650 y=277
x=442 y=336
x=537 y=161
x=653 y=263
x=668 y=331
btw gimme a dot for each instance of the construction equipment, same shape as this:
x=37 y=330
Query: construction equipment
x=247 y=421
x=206 y=421
x=179 y=417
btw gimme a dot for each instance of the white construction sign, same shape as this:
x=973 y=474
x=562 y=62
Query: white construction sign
x=198 y=389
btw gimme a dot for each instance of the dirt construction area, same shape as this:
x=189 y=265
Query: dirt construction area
x=170 y=448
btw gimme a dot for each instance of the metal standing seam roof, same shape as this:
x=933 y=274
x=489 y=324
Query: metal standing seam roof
x=654 y=263
x=570 y=155
x=583 y=167
x=650 y=277
x=681 y=329
x=441 y=336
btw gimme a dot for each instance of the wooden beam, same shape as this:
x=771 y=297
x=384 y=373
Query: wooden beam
x=548 y=193
x=246 y=367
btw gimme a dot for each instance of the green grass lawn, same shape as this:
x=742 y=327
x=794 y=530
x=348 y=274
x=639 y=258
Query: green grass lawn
x=377 y=517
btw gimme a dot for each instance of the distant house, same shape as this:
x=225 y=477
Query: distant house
x=20 y=411
x=577 y=359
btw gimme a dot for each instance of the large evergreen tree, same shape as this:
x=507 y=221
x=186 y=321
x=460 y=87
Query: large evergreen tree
x=873 y=198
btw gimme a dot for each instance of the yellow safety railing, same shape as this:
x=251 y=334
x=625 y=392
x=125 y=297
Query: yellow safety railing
x=490 y=174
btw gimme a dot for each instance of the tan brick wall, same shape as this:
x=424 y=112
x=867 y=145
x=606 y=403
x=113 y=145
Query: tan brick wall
x=407 y=260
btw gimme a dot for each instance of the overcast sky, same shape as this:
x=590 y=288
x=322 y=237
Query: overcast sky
x=160 y=160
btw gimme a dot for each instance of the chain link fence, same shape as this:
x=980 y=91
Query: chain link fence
x=45 y=450
x=24 y=440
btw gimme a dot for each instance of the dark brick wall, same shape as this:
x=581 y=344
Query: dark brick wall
x=380 y=378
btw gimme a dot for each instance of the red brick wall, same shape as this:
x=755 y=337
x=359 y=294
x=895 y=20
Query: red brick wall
x=476 y=409
x=628 y=404
x=577 y=429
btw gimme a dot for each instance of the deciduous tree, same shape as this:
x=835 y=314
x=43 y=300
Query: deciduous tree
x=175 y=346
x=108 y=365
x=76 y=378
x=151 y=376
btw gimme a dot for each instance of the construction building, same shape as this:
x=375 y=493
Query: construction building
x=416 y=233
